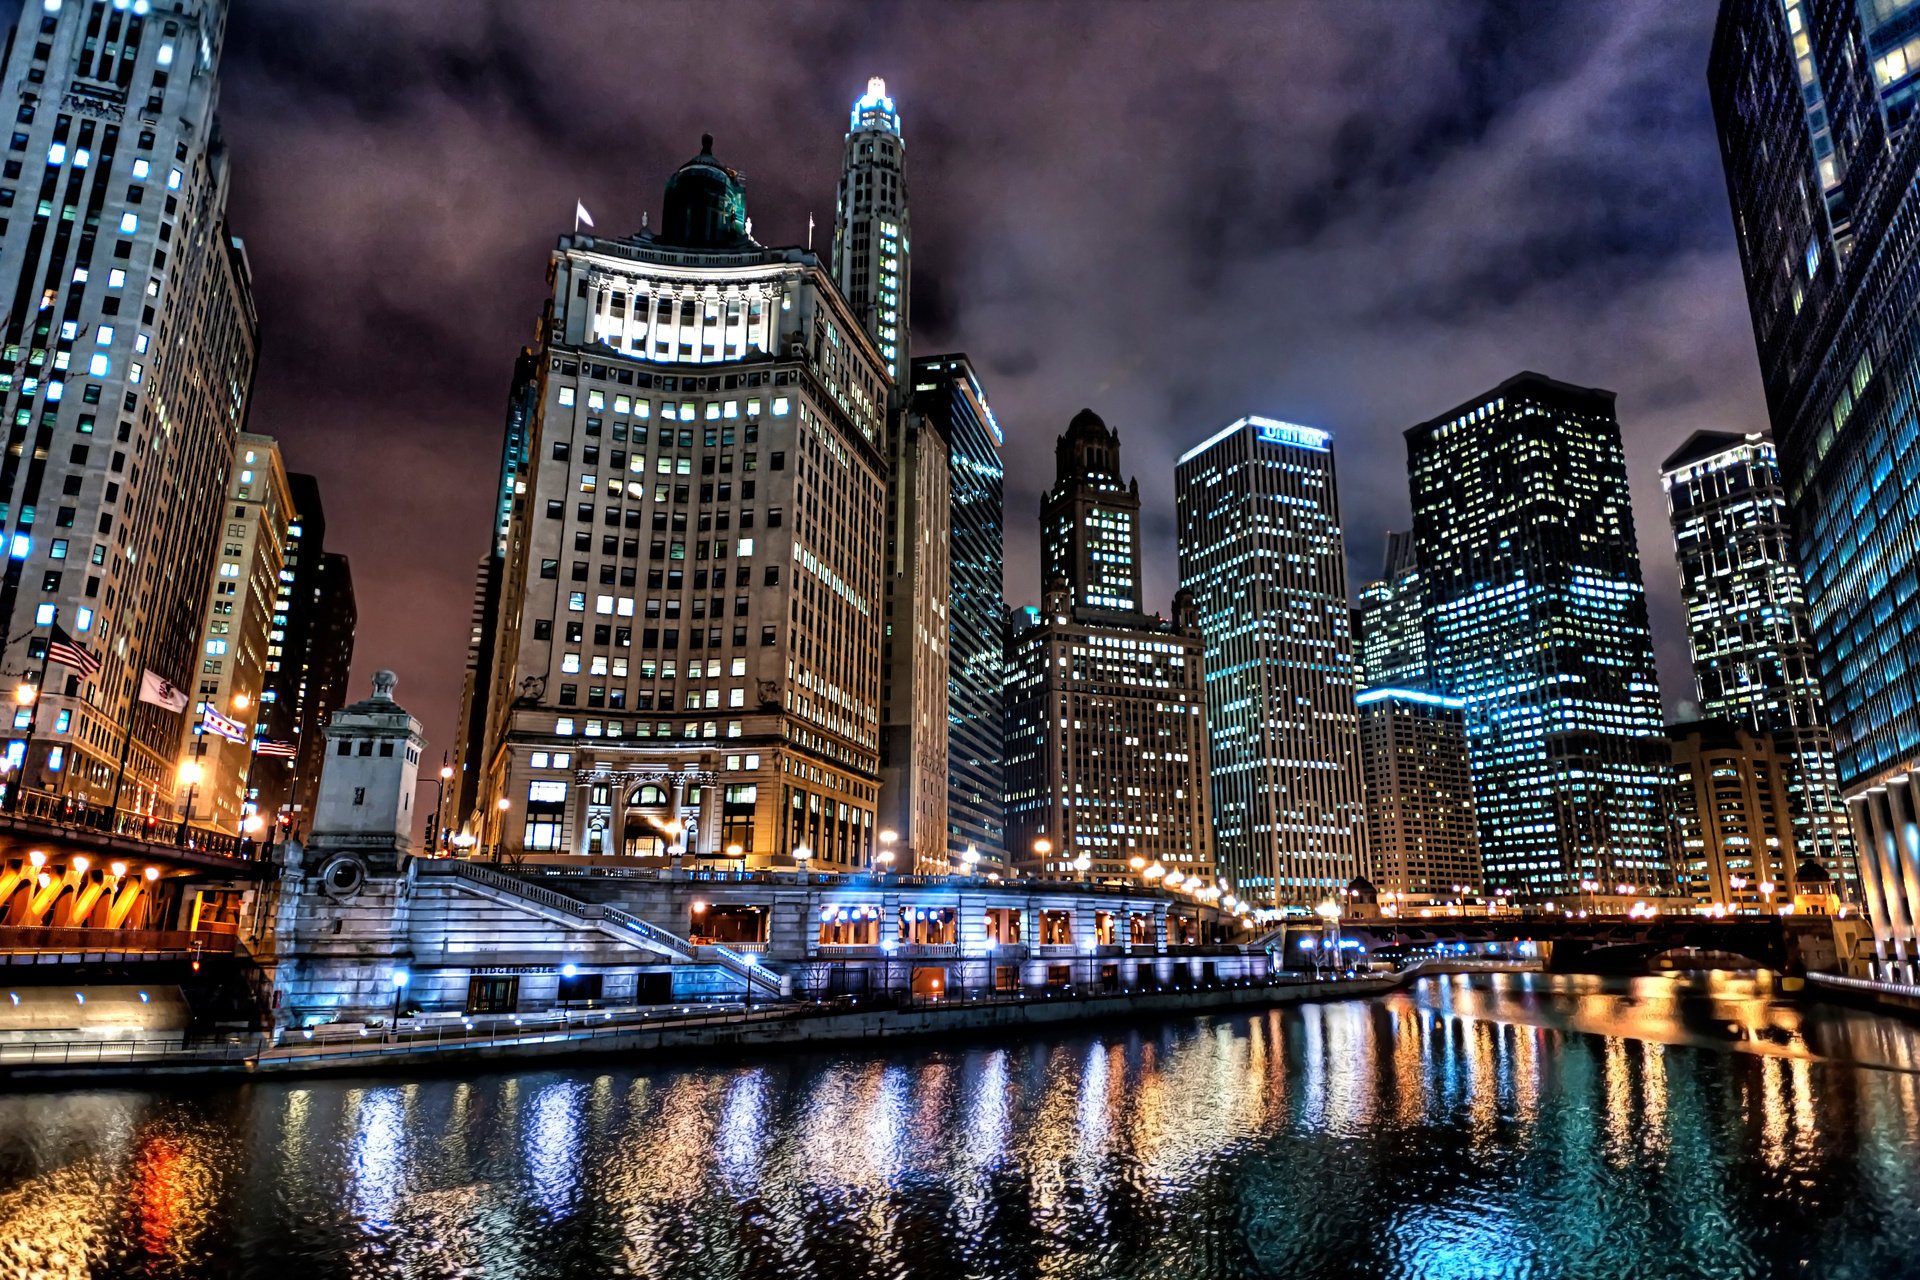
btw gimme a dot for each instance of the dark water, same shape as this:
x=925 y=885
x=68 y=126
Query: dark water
x=1499 y=1126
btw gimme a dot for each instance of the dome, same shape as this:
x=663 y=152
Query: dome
x=1810 y=873
x=706 y=205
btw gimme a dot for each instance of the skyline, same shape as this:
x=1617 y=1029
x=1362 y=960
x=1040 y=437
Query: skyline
x=1072 y=278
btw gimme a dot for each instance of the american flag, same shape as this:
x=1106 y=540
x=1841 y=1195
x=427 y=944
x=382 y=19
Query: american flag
x=70 y=653
x=268 y=747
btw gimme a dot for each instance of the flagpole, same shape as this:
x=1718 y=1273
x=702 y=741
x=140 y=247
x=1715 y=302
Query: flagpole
x=19 y=783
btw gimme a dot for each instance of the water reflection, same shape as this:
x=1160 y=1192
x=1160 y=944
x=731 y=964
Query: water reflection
x=1471 y=1127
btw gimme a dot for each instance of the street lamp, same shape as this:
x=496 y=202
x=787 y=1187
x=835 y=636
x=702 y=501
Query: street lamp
x=1154 y=872
x=972 y=860
x=500 y=808
x=439 y=807
x=190 y=775
x=801 y=857
x=1082 y=864
x=399 y=991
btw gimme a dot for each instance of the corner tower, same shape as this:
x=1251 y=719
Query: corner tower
x=870 y=259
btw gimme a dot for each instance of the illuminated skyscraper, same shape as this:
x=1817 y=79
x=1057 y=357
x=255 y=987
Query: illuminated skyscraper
x=1813 y=101
x=1537 y=617
x=1261 y=554
x=946 y=391
x=1391 y=645
x=1106 y=705
x=871 y=263
x=1753 y=660
x=126 y=362
x=1421 y=835
x=1733 y=818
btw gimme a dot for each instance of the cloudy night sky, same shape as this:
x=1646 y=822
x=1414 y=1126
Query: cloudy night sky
x=1348 y=214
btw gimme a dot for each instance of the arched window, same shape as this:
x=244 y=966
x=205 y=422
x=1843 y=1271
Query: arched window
x=647 y=795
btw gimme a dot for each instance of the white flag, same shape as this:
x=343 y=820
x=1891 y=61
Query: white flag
x=580 y=215
x=161 y=692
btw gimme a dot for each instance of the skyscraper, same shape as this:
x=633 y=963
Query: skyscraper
x=1733 y=818
x=1262 y=555
x=334 y=614
x=1106 y=725
x=241 y=603
x=1537 y=618
x=488 y=577
x=1753 y=660
x=946 y=391
x=1390 y=641
x=1421 y=834
x=125 y=368
x=870 y=251
x=871 y=268
x=289 y=644
x=690 y=614
x=1813 y=102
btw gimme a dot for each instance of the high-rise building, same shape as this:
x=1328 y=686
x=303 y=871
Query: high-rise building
x=126 y=363
x=1733 y=818
x=946 y=391
x=1813 y=102
x=1090 y=522
x=913 y=651
x=1106 y=705
x=690 y=615
x=1262 y=554
x=1537 y=617
x=871 y=262
x=241 y=605
x=1421 y=834
x=288 y=643
x=1390 y=639
x=1753 y=660
x=333 y=615
x=871 y=266
x=462 y=807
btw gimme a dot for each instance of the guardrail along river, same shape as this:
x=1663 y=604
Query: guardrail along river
x=1480 y=1126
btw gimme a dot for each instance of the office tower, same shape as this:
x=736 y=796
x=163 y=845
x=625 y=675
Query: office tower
x=690 y=612
x=288 y=645
x=1421 y=834
x=1537 y=617
x=946 y=391
x=871 y=262
x=1753 y=659
x=1390 y=637
x=1262 y=555
x=1813 y=99
x=489 y=575
x=1090 y=522
x=241 y=604
x=912 y=811
x=323 y=681
x=125 y=368
x=1106 y=705
x=1733 y=818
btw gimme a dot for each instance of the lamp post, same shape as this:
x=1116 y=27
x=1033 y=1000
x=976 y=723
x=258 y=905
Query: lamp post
x=500 y=808
x=1083 y=864
x=439 y=807
x=190 y=774
x=399 y=992
x=739 y=851
x=888 y=836
x=802 y=855
x=25 y=694
x=972 y=860
x=1041 y=848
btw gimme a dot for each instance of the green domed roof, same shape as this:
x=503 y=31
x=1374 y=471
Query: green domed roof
x=706 y=205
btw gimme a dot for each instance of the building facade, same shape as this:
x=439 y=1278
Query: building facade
x=1106 y=736
x=236 y=638
x=691 y=607
x=1747 y=626
x=1733 y=818
x=1390 y=642
x=1261 y=553
x=1421 y=832
x=1537 y=618
x=1812 y=99
x=333 y=617
x=947 y=392
x=128 y=350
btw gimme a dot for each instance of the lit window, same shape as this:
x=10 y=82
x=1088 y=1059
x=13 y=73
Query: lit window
x=566 y=397
x=84 y=620
x=43 y=616
x=173 y=180
x=103 y=336
x=99 y=366
x=141 y=168
x=57 y=153
x=165 y=59
x=115 y=278
x=129 y=222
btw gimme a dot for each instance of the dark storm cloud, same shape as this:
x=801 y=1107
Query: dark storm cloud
x=1348 y=214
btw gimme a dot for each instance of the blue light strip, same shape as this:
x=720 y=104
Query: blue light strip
x=1411 y=695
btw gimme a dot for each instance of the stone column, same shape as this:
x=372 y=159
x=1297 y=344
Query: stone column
x=1887 y=864
x=577 y=811
x=1860 y=818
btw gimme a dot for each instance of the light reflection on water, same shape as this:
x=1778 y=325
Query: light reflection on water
x=1492 y=1126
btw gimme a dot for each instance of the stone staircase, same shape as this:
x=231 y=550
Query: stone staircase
x=622 y=926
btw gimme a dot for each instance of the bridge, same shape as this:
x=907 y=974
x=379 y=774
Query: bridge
x=1607 y=944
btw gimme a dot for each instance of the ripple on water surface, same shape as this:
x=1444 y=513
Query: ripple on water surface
x=1487 y=1127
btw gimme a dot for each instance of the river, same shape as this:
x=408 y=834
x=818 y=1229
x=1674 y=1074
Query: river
x=1493 y=1125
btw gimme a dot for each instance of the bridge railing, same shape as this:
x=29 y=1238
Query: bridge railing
x=23 y=939
x=77 y=814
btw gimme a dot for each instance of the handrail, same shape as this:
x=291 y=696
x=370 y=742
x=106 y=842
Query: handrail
x=658 y=936
x=78 y=814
